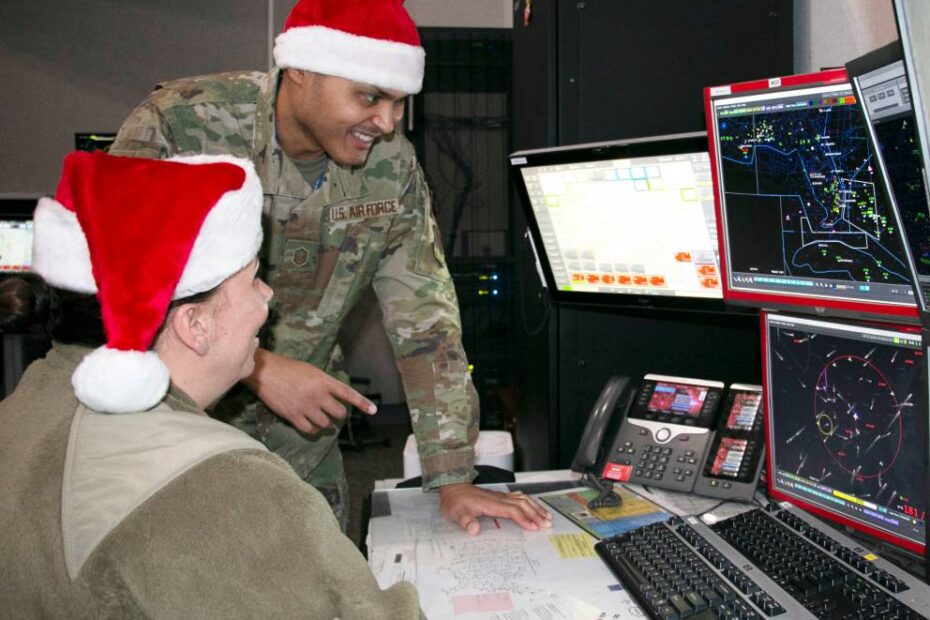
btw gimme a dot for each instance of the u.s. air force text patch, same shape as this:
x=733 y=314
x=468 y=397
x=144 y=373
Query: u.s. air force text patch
x=343 y=213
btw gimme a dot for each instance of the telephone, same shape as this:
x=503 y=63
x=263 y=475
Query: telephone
x=673 y=434
x=616 y=394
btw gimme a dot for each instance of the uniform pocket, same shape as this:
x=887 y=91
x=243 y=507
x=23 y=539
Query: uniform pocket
x=429 y=259
x=350 y=269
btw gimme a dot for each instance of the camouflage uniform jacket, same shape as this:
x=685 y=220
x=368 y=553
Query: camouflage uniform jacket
x=365 y=226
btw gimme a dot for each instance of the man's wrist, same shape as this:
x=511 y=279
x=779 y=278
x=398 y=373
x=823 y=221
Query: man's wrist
x=437 y=480
x=446 y=489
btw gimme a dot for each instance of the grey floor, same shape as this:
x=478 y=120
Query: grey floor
x=374 y=462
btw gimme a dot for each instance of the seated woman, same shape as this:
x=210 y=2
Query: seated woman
x=121 y=498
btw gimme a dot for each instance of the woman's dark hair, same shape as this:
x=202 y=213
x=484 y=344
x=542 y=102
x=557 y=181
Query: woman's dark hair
x=29 y=305
x=18 y=304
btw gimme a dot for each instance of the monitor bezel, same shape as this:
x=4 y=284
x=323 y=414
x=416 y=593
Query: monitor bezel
x=917 y=85
x=856 y=68
x=671 y=144
x=779 y=495
x=915 y=82
x=825 y=307
x=18 y=209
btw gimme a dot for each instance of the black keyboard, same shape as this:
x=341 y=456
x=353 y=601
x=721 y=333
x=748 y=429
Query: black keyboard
x=668 y=579
x=807 y=569
x=680 y=569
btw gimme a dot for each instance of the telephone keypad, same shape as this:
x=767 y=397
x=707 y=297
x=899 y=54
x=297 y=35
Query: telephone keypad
x=652 y=463
x=672 y=463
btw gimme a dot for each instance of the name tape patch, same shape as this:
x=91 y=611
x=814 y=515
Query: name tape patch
x=359 y=212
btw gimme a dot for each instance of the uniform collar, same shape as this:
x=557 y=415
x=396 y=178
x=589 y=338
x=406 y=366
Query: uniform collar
x=68 y=356
x=343 y=183
x=263 y=141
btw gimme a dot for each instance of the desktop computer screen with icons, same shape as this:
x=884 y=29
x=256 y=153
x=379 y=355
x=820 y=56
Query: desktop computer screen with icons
x=627 y=222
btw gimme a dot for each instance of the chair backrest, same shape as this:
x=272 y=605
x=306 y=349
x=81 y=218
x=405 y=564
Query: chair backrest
x=17 y=351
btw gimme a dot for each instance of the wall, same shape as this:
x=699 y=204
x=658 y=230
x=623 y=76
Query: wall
x=828 y=33
x=72 y=66
x=461 y=14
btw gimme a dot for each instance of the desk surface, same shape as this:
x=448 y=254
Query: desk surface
x=505 y=572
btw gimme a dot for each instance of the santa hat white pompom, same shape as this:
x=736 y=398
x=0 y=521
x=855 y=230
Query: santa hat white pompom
x=114 y=381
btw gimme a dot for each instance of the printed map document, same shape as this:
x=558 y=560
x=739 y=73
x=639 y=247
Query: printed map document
x=503 y=573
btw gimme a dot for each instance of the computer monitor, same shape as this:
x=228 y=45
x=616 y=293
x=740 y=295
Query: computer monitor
x=626 y=222
x=913 y=21
x=804 y=219
x=16 y=236
x=880 y=83
x=95 y=141
x=845 y=423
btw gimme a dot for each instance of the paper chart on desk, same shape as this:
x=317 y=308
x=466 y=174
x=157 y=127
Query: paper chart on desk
x=504 y=573
x=508 y=571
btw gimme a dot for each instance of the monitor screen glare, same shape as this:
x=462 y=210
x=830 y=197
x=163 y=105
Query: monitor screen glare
x=844 y=404
x=633 y=226
x=804 y=216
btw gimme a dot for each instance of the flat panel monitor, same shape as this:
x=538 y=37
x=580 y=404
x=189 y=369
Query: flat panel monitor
x=803 y=215
x=16 y=236
x=626 y=222
x=845 y=423
x=881 y=85
x=913 y=21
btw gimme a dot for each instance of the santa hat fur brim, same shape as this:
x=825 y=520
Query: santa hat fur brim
x=231 y=234
x=385 y=64
x=229 y=239
x=60 y=253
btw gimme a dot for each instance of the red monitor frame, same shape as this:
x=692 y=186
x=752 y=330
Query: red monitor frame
x=770 y=476
x=774 y=300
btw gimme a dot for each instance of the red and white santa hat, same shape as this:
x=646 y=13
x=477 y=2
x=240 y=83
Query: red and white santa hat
x=369 y=41
x=140 y=233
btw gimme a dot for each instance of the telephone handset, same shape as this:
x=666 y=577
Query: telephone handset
x=616 y=394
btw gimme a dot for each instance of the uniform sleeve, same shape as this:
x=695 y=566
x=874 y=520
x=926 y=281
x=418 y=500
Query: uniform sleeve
x=239 y=536
x=421 y=316
x=144 y=134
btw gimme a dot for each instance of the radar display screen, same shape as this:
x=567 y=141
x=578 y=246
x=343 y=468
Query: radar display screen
x=635 y=219
x=804 y=215
x=844 y=404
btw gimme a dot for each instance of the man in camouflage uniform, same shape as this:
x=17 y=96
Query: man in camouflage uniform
x=346 y=207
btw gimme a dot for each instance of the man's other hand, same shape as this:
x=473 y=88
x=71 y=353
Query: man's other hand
x=301 y=393
x=464 y=503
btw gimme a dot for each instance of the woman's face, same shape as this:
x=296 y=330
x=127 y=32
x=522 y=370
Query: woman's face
x=241 y=310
